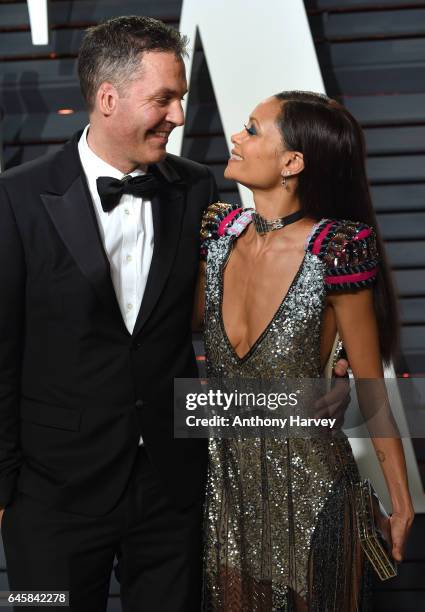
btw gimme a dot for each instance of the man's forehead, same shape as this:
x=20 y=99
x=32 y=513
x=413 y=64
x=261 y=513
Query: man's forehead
x=165 y=73
x=162 y=62
x=169 y=91
x=159 y=88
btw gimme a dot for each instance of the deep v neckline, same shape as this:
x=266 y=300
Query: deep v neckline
x=274 y=317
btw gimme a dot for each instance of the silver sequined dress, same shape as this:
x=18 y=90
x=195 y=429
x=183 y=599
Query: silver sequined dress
x=280 y=524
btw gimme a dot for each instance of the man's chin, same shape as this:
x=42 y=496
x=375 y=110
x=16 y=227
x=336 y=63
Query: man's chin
x=157 y=156
x=153 y=158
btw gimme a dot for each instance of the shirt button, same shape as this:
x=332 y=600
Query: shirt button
x=127 y=211
x=129 y=306
x=129 y=258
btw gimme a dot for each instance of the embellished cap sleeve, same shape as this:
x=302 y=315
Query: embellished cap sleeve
x=349 y=251
x=221 y=219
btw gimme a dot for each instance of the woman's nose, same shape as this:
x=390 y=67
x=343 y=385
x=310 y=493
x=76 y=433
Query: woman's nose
x=235 y=138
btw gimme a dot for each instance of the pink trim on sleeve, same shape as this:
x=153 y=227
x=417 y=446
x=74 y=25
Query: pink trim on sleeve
x=320 y=238
x=364 y=233
x=350 y=278
x=225 y=222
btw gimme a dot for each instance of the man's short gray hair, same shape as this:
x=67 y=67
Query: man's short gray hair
x=112 y=51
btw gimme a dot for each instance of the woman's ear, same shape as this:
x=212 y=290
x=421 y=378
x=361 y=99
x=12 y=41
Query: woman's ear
x=293 y=163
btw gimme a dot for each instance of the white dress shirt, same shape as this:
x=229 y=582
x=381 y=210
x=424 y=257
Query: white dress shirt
x=126 y=232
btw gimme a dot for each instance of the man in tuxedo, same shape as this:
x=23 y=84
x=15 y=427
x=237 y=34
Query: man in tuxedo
x=99 y=248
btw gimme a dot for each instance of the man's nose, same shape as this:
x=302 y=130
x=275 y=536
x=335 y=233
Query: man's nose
x=175 y=113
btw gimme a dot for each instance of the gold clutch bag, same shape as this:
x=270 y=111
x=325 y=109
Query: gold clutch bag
x=333 y=358
x=374 y=530
x=372 y=519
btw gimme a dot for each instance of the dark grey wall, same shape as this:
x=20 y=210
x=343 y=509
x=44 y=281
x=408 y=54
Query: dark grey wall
x=372 y=56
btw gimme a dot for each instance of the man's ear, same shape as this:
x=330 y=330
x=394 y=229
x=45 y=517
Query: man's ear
x=106 y=98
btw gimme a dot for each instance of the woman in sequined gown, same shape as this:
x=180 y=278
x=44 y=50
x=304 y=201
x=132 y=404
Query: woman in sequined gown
x=281 y=529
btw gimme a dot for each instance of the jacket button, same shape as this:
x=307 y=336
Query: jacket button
x=140 y=403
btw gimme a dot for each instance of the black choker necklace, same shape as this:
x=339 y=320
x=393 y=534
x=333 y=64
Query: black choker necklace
x=263 y=226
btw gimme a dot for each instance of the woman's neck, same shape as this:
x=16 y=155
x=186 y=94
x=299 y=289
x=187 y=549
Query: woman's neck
x=275 y=204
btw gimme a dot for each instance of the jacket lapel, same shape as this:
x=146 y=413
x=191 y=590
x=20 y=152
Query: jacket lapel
x=167 y=211
x=70 y=208
x=71 y=211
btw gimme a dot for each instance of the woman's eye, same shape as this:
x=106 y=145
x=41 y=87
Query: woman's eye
x=250 y=129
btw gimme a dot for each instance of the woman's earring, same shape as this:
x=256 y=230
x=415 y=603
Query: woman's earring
x=285 y=180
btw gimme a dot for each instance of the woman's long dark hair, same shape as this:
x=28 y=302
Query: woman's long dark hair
x=334 y=184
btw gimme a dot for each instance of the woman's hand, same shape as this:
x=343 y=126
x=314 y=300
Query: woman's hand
x=400 y=523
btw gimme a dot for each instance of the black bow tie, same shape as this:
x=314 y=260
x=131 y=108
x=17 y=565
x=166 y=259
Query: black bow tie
x=111 y=189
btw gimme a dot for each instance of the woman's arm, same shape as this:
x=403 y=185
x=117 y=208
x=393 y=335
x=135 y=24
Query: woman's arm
x=199 y=299
x=356 y=323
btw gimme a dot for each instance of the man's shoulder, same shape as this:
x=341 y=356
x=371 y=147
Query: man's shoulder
x=187 y=168
x=30 y=169
x=41 y=172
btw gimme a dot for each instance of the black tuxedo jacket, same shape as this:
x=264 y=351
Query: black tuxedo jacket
x=76 y=389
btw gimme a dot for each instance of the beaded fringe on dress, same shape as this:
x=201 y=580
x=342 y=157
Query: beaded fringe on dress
x=252 y=565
